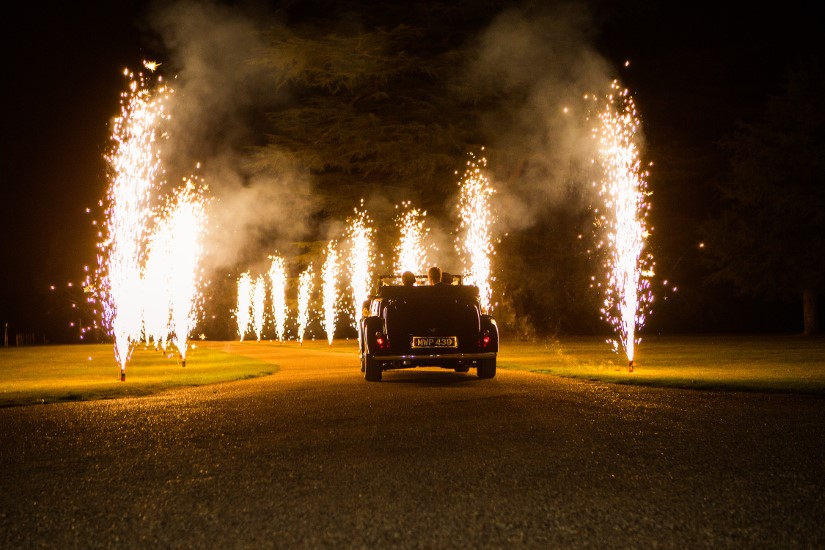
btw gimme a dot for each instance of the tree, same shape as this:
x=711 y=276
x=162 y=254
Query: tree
x=368 y=112
x=769 y=238
x=391 y=111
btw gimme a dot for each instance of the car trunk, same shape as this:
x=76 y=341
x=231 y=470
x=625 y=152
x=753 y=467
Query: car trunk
x=433 y=317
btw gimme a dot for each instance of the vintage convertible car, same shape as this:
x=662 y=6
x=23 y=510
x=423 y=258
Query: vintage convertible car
x=415 y=326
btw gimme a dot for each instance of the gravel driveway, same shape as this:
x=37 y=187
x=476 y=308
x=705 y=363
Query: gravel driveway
x=315 y=457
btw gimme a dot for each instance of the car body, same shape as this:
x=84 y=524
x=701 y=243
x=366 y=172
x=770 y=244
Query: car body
x=416 y=326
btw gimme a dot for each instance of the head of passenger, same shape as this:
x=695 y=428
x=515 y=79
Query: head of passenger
x=408 y=278
x=434 y=275
x=446 y=278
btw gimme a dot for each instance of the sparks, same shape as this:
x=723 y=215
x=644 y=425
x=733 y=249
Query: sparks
x=475 y=240
x=243 y=313
x=360 y=260
x=411 y=254
x=277 y=286
x=187 y=219
x=623 y=189
x=258 y=305
x=157 y=299
x=134 y=164
x=329 y=290
x=304 y=295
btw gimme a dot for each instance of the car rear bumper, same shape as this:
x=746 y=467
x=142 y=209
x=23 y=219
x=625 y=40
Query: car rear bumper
x=447 y=360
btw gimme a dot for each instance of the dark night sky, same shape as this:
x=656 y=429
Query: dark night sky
x=695 y=70
x=61 y=89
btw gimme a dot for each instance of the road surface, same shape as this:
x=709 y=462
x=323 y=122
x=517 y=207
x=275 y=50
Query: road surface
x=315 y=457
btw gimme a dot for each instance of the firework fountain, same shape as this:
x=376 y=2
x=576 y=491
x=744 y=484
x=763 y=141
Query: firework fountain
x=475 y=238
x=258 y=305
x=149 y=258
x=360 y=260
x=277 y=284
x=135 y=168
x=304 y=295
x=187 y=218
x=156 y=309
x=623 y=189
x=411 y=255
x=243 y=313
x=329 y=290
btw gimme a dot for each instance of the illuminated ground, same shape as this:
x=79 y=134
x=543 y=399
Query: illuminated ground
x=316 y=457
x=778 y=363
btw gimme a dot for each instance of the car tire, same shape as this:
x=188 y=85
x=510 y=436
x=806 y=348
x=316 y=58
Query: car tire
x=486 y=368
x=372 y=369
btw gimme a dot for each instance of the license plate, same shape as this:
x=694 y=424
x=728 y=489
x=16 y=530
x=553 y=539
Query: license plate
x=435 y=342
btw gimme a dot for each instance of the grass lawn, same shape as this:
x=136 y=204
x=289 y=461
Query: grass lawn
x=44 y=374
x=759 y=363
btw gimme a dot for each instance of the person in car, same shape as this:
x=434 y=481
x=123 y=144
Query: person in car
x=446 y=278
x=434 y=275
x=408 y=278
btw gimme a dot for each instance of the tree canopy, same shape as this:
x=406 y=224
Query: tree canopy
x=364 y=113
x=769 y=238
x=393 y=111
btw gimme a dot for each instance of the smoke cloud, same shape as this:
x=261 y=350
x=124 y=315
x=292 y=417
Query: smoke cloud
x=219 y=102
x=543 y=61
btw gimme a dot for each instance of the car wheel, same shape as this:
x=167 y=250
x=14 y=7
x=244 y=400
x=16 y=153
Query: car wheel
x=486 y=368
x=372 y=369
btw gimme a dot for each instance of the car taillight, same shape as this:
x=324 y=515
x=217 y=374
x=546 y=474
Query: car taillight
x=381 y=341
x=484 y=341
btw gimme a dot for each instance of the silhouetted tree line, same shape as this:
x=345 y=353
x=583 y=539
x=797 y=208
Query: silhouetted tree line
x=385 y=115
x=387 y=112
x=768 y=239
x=379 y=112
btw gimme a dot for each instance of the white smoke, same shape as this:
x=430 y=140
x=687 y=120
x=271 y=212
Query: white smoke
x=542 y=61
x=219 y=101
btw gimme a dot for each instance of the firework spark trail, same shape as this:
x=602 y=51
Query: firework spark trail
x=156 y=310
x=258 y=305
x=624 y=190
x=277 y=284
x=360 y=260
x=411 y=254
x=187 y=223
x=135 y=164
x=304 y=295
x=329 y=290
x=244 y=309
x=475 y=242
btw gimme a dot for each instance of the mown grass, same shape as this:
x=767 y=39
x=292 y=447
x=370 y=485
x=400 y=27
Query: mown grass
x=783 y=363
x=46 y=374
